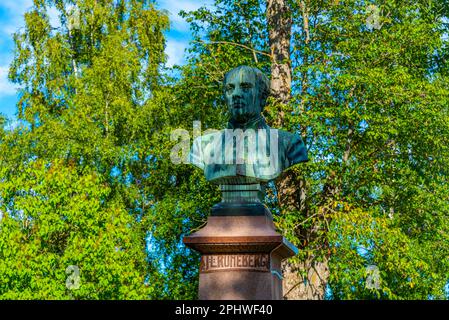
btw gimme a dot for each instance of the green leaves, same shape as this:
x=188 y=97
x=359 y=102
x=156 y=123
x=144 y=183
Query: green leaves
x=87 y=181
x=54 y=217
x=371 y=105
x=68 y=185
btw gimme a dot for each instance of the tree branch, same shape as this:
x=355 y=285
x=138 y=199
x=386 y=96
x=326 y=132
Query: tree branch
x=254 y=51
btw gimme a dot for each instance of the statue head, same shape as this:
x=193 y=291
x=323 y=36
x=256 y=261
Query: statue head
x=246 y=90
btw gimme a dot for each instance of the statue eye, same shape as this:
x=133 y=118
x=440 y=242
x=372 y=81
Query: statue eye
x=246 y=86
x=229 y=88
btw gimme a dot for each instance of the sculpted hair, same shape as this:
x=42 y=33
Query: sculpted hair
x=261 y=80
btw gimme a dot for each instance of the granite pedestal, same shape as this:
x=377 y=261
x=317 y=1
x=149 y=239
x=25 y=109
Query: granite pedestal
x=240 y=256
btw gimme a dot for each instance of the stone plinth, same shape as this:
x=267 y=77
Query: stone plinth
x=240 y=258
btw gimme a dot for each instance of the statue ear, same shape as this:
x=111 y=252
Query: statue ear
x=264 y=86
x=264 y=94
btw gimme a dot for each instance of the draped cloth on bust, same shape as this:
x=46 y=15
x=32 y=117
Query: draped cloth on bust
x=253 y=154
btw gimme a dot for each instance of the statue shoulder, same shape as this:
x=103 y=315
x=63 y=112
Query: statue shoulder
x=295 y=148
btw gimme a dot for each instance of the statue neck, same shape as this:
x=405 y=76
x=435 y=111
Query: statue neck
x=252 y=123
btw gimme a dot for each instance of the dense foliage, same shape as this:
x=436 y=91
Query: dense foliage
x=87 y=179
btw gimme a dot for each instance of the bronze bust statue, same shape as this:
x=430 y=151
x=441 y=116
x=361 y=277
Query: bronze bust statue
x=248 y=154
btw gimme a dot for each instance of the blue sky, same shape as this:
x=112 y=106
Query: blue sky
x=11 y=20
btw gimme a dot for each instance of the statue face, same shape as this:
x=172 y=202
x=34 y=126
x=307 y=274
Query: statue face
x=242 y=95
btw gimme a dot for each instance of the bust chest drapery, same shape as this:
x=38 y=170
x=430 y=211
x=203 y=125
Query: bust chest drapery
x=253 y=154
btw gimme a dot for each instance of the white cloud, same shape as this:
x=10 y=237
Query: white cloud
x=175 y=51
x=15 y=123
x=53 y=15
x=15 y=10
x=16 y=5
x=175 y=6
x=6 y=87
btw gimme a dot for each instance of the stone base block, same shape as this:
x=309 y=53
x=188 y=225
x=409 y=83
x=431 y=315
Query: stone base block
x=240 y=258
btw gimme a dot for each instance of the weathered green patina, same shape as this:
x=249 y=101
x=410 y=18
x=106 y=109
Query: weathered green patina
x=248 y=154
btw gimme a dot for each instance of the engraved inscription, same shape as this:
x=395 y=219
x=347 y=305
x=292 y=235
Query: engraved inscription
x=226 y=262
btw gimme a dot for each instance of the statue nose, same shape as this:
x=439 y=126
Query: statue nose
x=237 y=93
